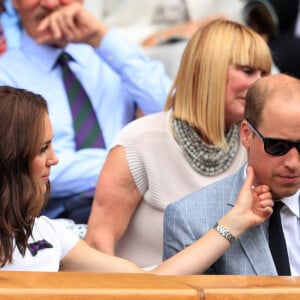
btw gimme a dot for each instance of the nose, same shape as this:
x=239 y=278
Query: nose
x=257 y=75
x=292 y=159
x=53 y=159
x=50 y=3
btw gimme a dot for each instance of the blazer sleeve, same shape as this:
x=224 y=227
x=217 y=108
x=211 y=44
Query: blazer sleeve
x=177 y=233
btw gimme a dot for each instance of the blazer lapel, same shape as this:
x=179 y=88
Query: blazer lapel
x=257 y=250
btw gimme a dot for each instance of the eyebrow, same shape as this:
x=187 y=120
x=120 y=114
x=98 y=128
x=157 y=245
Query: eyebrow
x=48 y=142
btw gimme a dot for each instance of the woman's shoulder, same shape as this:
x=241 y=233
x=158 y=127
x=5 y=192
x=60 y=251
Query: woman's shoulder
x=156 y=119
x=45 y=224
x=54 y=230
x=150 y=124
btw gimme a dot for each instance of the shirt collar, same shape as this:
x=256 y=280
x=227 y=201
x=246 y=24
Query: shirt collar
x=292 y=202
x=45 y=56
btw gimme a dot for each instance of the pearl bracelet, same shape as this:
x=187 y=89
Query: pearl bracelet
x=224 y=232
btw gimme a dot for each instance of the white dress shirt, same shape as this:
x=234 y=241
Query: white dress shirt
x=291 y=228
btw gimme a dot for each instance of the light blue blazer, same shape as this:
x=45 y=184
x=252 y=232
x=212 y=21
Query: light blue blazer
x=188 y=219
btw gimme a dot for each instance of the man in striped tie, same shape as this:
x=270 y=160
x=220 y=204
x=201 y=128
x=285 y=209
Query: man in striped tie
x=113 y=76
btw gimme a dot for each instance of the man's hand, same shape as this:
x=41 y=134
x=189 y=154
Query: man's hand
x=71 y=23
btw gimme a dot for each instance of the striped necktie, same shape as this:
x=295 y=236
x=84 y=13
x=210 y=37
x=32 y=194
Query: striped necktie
x=277 y=241
x=3 y=45
x=87 y=129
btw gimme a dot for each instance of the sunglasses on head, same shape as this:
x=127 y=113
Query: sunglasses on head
x=274 y=146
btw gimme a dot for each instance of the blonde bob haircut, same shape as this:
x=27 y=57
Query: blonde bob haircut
x=197 y=95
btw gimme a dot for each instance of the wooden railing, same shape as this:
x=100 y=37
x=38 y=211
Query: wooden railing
x=225 y=287
x=92 y=286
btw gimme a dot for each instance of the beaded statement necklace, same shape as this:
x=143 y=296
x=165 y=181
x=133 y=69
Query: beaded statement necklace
x=207 y=160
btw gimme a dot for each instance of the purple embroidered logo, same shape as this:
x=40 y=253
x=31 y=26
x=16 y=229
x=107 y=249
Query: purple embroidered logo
x=39 y=245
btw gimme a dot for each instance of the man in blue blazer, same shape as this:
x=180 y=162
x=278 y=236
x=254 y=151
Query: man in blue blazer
x=270 y=132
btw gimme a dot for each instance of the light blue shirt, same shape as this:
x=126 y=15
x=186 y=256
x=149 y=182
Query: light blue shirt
x=117 y=76
x=11 y=26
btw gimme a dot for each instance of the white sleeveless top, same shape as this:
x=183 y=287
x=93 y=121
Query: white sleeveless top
x=162 y=175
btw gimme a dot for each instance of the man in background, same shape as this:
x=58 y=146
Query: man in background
x=117 y=78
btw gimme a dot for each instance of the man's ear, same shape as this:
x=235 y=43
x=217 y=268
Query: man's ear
x=245 y=134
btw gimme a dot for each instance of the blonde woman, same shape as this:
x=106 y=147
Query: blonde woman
x=160 y=158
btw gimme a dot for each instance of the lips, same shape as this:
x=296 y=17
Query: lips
x=290 y=176
x=46 y=177
x=289 y=179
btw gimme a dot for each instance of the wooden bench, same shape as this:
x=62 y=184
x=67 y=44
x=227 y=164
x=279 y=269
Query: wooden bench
x=224 y=287
x=92 y=286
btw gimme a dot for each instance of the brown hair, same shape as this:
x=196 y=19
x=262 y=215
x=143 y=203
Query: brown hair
x=198 y=92
x=21 y=200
